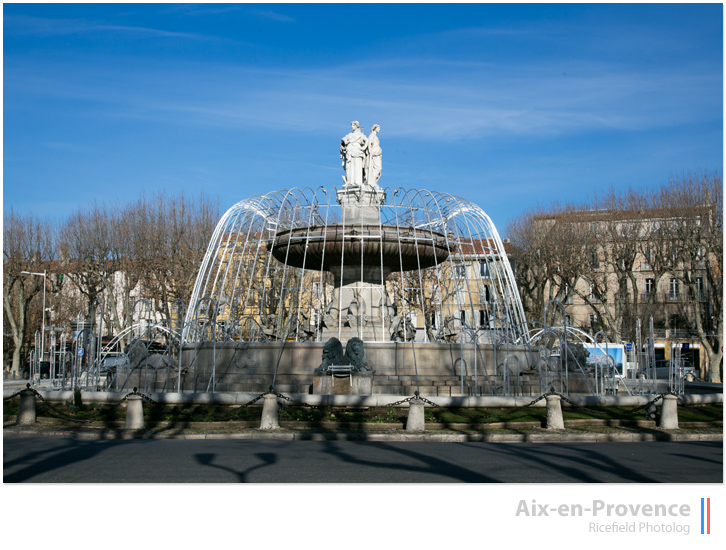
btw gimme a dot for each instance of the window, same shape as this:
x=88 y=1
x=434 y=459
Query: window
x=484 y=270
x=593 y=319
x=647 y=257
x=483 y=318
x=566 y=296
x=461 y=295
x=594 y=260
x=649 y=288
x=593 y=295
x=460 y=270
x=674 y=289
x=701 y=257
x=674 y=256
x=700 y=291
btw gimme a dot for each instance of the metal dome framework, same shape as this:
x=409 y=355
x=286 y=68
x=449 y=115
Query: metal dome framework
x=432 y=260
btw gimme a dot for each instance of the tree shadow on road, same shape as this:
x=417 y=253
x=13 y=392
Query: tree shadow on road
x=48 y=460
x=267 y=459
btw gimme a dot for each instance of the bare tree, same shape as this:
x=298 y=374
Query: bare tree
x=551 y=251
x=95 y=252
x=531 y=251
x=694 y=207
x=170 y=240
x=601 y=251
x=27 y=246
x=616 y=227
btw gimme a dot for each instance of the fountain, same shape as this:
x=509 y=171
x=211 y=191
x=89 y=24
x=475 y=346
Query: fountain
x=421 y=278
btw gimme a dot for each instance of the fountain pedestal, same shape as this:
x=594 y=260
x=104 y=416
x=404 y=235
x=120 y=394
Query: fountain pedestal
x=361 y=204
x=351 y=383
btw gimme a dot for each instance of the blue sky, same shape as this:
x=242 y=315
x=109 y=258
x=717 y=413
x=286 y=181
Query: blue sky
x=509 y=106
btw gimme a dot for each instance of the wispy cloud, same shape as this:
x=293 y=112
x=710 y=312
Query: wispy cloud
x=143 y=30
x=202 y=9
x=444 y=103
x=39 y=26
x=272 y=15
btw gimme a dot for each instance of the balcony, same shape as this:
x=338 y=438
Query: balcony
x=702 y=296
x=646 y=296
x=672 y=297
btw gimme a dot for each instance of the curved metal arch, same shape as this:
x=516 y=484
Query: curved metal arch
x=245 y=228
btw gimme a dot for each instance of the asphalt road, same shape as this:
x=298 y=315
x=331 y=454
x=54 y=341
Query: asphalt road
x=39 y=460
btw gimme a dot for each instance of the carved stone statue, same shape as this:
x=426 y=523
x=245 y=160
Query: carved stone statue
x=357 y=311
x=353 y=152
x=269 y=326
x=406 y=330
x=401 y=329
x=373 y=157
x=452 y=329
x=302 y=331
x=579 y=353
x=394 y=327
x=330 y=318
x=355 y=355
x=332 y=355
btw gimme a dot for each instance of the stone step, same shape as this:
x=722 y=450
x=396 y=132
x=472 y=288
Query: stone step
x=422 y=379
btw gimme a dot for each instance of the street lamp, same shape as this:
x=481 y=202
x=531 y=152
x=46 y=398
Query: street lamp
x=42 y=332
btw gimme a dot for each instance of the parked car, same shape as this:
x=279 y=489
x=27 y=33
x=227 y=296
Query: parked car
x=662 y=370
x=45 y=370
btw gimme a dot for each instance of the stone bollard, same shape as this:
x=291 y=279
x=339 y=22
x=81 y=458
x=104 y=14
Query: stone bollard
x=415 y=421
x=669 y=413
x=134 y=413
x=270 y=413
x=26 y=409
x=554 y=419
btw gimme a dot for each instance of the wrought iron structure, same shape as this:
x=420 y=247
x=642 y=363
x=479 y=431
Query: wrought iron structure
x=308 y=264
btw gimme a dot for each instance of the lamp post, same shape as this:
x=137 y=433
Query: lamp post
x=42 y=332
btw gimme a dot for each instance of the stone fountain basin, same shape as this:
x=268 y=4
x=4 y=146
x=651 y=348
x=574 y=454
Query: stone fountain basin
x=372 y=246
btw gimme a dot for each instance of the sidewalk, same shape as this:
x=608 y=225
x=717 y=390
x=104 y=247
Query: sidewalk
x=330 y=431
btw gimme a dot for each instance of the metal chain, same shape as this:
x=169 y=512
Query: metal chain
x=648 y=404
x=272 y=392
x=292 y=401
x=60 y=413
x=255 y=400
x=445 y=409
x=26 y=388
x=136 y=392
x=415 y=396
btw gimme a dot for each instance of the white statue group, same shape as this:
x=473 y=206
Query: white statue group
x=361 y=156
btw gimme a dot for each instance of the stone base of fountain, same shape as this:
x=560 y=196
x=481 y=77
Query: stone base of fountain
x=352 y=383
x=438 y=367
